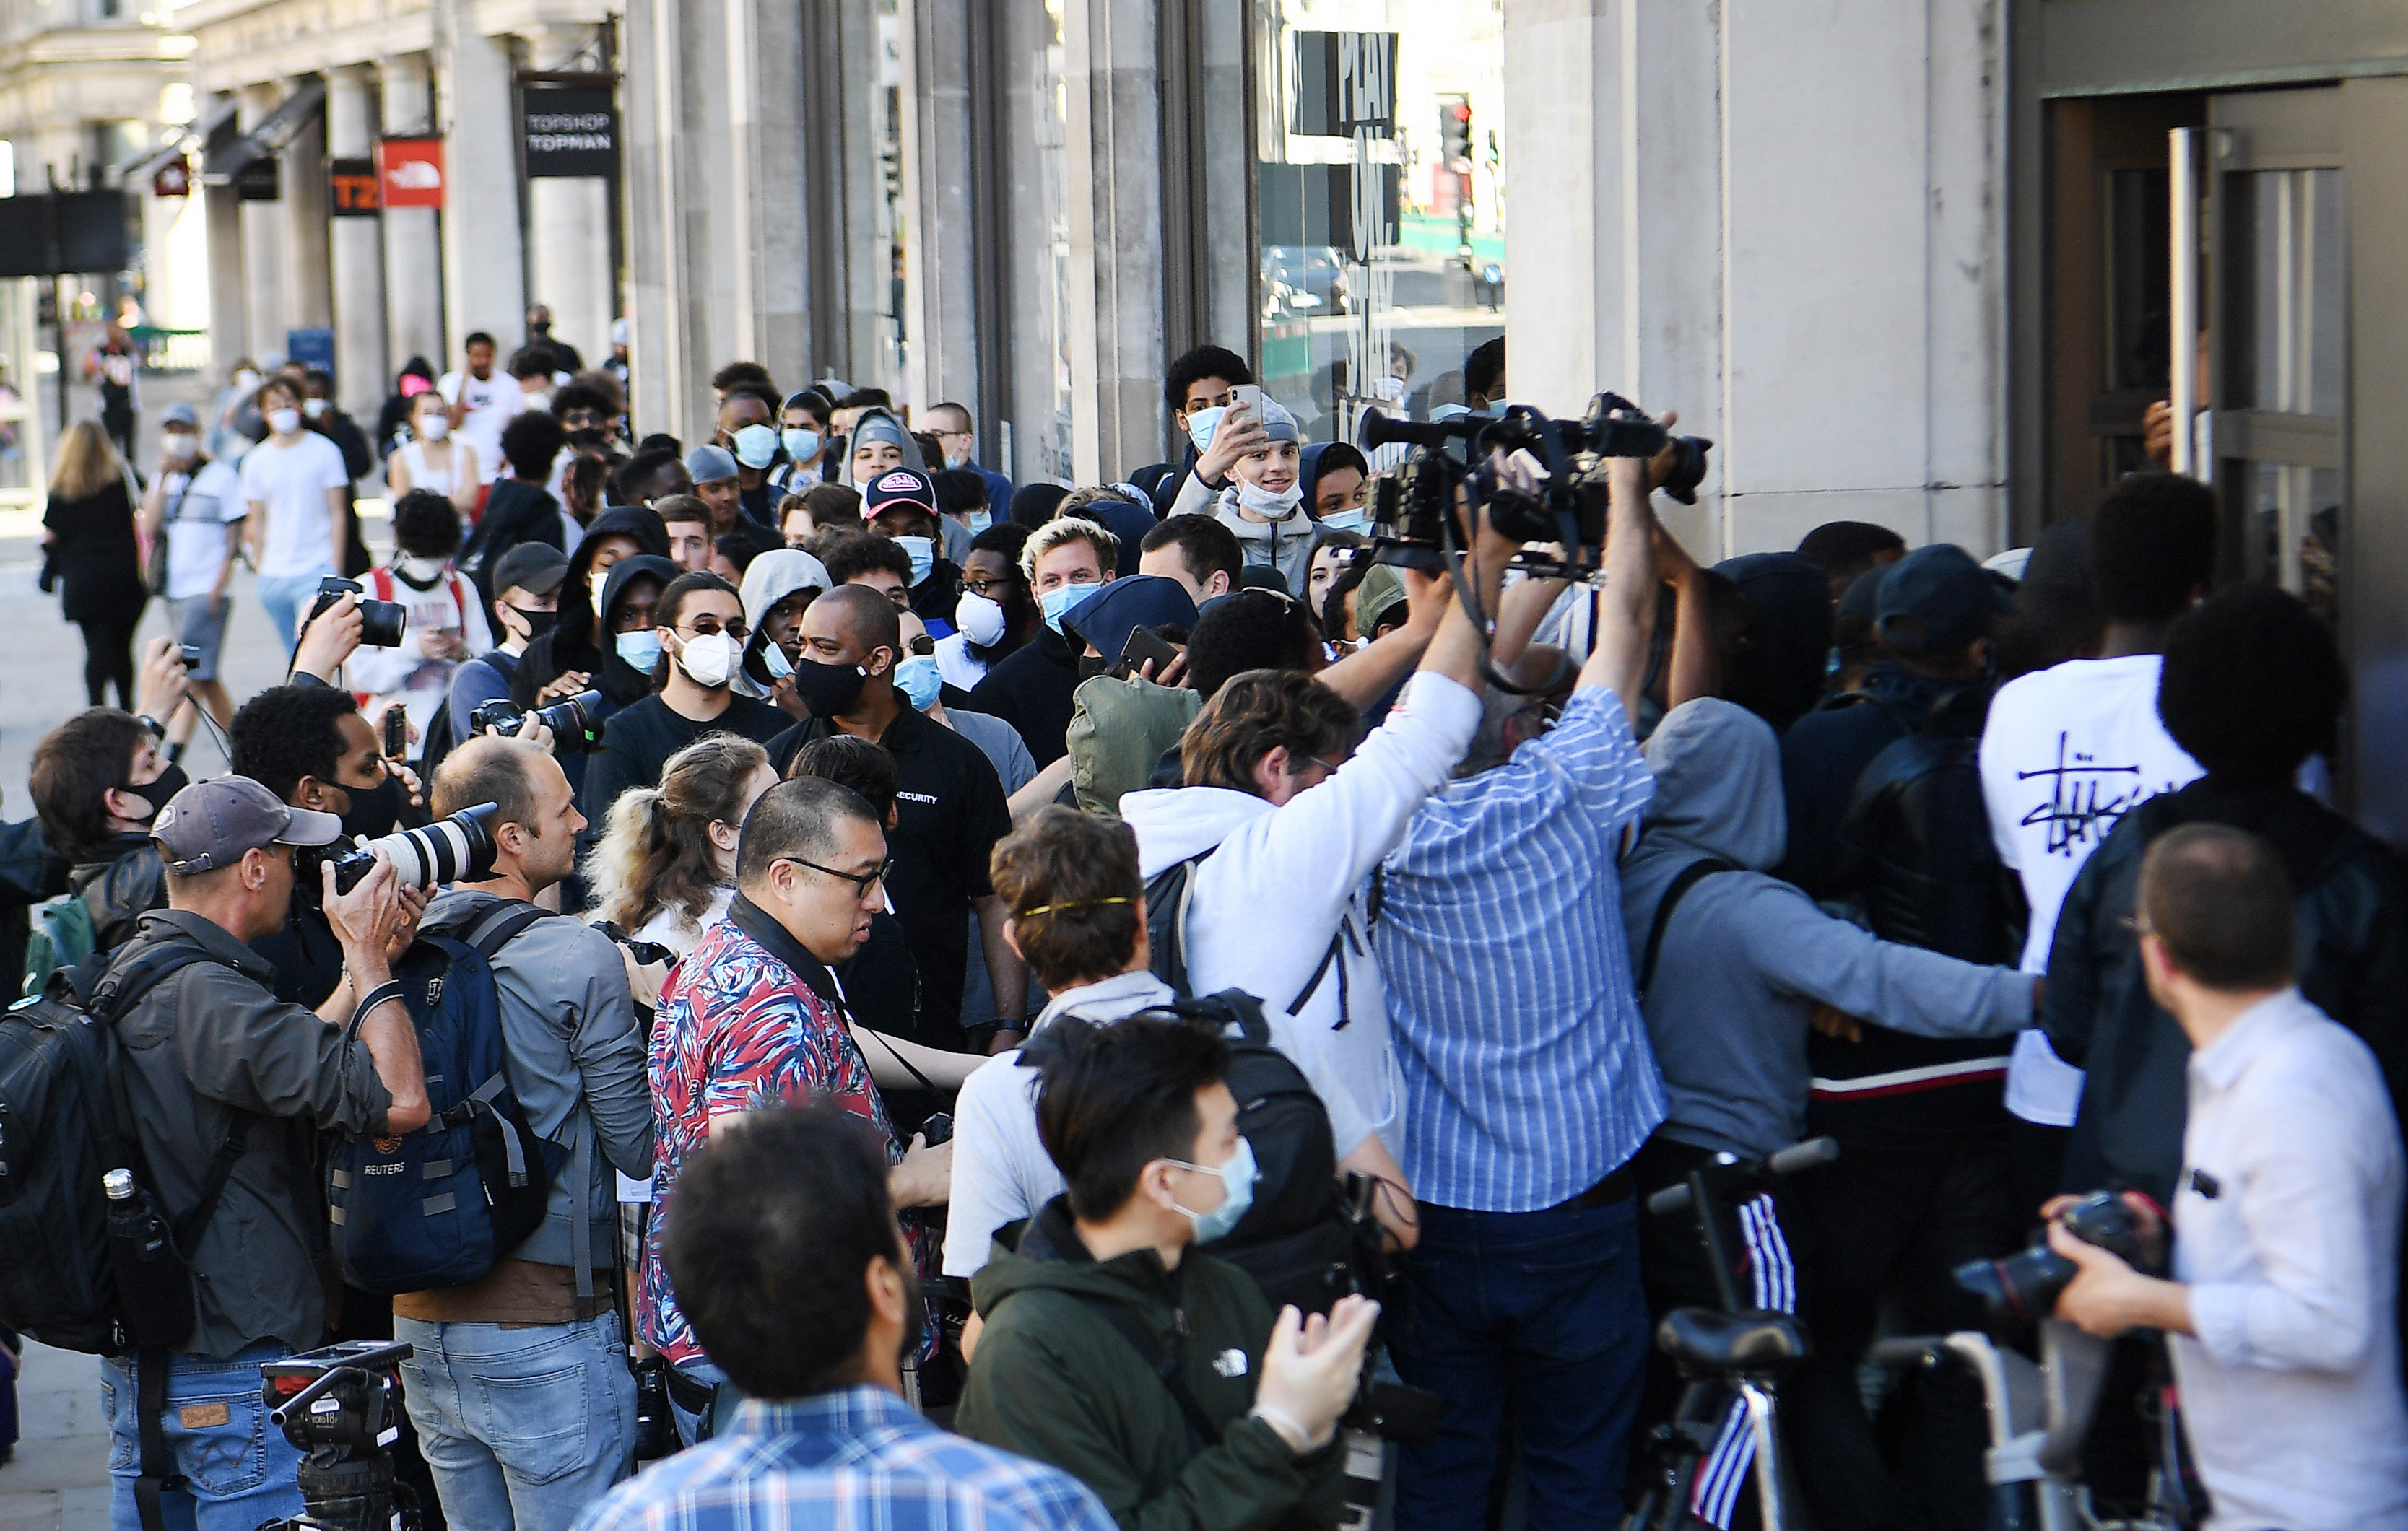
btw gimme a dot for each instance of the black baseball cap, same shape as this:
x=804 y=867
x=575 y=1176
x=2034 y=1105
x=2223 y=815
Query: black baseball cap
x=535 y=567
x=1937 y=599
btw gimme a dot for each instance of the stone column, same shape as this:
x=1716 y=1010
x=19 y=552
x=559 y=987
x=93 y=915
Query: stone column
x=266 y=278
x=413 y=266
x=229 y=278
x=657 y=288
x=311 y=301
x=362 y=370
x=568 y=235
x=1114 y=197
x=940 y=247
x=484 y=263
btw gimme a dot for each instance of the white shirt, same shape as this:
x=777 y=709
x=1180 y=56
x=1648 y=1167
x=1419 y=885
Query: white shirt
x=2291 y=1391
x=288 y=484
x=492 y=403
x=2066 y=752
x=408 y=673
x=960 y=667
x=669 y=926
x=198 y=507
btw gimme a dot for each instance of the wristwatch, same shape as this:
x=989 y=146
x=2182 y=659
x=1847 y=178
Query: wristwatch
x=151 y=725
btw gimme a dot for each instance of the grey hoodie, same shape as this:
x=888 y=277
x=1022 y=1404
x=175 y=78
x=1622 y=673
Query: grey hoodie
x=1746 y=955
x=1284 y=545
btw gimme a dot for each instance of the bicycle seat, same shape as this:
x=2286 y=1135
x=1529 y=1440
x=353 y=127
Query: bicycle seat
x=1704 y=1342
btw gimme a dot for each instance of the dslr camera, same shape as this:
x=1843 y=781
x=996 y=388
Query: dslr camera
x=335 y=1405
x=381 y=621
x=574 y=725
x=446 y=851
x=2024 y=1287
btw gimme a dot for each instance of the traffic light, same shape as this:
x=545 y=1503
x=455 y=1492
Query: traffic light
x=1454 y=132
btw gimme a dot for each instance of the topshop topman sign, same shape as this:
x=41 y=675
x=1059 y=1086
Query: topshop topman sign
x=569 y=130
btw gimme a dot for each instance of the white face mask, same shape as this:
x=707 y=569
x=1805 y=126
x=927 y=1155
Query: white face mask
x=284 y=421
x=434 y=427
x=981 y=619
x=313 y=408
x=1266 y=504
x=709 y=660
x=183 y=446
x=538 y=400
x=422 y=572
x=246 y=380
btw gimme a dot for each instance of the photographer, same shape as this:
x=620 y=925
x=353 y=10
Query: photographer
x=526 y=601
x=2286 y=1216
x=1112 y=1350
x=539 y=1328
x=98 y=781
x=214 y=1063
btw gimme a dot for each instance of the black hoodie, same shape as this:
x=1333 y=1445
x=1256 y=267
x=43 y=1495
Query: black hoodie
x=577 y=640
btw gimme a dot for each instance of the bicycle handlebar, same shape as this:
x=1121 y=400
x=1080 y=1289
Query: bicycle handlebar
x=1743 y=1177
x=1908 y=1351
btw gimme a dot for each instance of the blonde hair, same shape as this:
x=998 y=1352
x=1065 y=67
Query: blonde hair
x=87 y=462
x=655 y=852
x=1069 y=529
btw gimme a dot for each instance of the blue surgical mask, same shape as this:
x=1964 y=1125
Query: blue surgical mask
x=802 y=445
x=756 y=446
x=1062 y=600
x=641 y=648
x=923 y=557
x=980 y=521
x=1201 y=424
x=1236 y=1192
x=918 y=677
x=773 y=659
x=1348 y=521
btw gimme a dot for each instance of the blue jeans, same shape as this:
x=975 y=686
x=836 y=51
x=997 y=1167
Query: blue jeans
x=1542 y=1309
x=238 y=1468
x=689 y=1427
x=285 y=597
x=523 y=1426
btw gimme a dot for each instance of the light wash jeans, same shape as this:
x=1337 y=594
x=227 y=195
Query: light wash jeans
x=523 y=1426
x=286 y=596
x=238 y=1468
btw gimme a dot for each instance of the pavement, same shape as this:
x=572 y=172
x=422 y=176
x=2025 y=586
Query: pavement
x=59 y=1479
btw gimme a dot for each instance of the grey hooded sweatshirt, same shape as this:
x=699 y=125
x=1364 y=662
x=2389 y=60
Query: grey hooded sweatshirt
x=1746 y=955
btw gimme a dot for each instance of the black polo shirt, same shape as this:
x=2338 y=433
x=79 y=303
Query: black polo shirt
x=1031 y=689
x=950 y=810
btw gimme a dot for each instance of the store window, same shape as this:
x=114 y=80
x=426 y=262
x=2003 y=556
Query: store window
x=1379 y=203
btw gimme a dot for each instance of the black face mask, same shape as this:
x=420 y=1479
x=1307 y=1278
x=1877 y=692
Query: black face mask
x=538 y=623
x=830 y=690
x=171 y=781
x=375 y=809
x=1092 y=665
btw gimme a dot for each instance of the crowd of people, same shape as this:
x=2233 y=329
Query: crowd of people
x=1035 y=1000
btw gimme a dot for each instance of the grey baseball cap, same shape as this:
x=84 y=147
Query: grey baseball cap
x=708 y=463
x=180 y=414
x=211 y=823
x=535 y=567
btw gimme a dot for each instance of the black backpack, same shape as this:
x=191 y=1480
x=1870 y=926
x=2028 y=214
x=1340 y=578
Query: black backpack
x=1166 y=931
x=1297 y=1239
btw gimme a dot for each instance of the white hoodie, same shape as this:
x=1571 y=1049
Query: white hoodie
x=1265 y=904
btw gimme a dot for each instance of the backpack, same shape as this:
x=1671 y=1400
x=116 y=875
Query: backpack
x=1166 y=930
x=63 y=935
x=63 y=1125
x=436 y=1206
x=1296 y=1239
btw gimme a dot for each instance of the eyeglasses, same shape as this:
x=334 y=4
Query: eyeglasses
x=863 y=880
x=706 y=626
x=953 y=435
x=984 y=587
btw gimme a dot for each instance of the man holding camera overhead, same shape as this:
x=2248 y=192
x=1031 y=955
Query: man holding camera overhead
x=540 y=1329
x=224 y=1083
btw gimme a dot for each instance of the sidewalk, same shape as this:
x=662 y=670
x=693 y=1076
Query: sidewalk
x=59 y=1479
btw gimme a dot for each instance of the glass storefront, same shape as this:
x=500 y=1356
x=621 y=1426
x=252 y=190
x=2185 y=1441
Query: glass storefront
x=1379 y=202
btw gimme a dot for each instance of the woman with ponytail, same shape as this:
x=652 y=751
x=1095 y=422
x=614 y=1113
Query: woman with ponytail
x=664 y=868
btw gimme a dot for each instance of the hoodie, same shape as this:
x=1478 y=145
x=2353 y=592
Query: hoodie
x=875 y=424
x=1055 y=1380
x=1284 y=545
x=768 y=579
x=1746 y=956
x=577 y=640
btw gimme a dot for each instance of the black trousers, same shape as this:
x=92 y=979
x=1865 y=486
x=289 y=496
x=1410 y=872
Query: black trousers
x=108 y=656
x=1923 y=1185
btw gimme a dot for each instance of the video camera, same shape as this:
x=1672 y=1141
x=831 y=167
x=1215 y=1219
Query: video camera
x=446 y=851
x=2024 y=1287
x=335 y=1405
x=573 y=725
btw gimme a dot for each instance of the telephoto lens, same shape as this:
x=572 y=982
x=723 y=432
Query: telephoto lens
x=446 y=850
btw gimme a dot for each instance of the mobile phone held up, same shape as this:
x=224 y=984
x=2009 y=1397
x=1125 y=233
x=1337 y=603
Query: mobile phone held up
x=396 y=733
x=1145 y=644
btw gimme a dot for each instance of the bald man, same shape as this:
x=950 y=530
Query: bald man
x=950 y=811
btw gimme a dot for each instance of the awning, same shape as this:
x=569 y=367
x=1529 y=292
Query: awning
x=191 y=137
x=277 y=129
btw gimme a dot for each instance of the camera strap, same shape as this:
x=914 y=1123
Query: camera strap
x=1165 y=1362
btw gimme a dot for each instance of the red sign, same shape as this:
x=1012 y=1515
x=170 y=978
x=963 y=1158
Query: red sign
x=175 y=178
x=409 y=172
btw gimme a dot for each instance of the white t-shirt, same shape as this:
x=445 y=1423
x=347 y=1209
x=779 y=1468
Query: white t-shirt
x=2066 y=752
x=289 y=485
x=199 y=506
x=492 y=404
x=408 y=673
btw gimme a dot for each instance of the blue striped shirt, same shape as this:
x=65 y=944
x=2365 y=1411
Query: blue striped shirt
x=1527 y=1073
x=856 y=1460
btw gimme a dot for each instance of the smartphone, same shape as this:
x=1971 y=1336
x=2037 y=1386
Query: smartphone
x=1144 y=645
x=397 y=734
x=1250 y=395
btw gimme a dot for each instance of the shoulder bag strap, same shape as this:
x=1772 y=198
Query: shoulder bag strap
x=1165 y=1363
x=1687 y=878
x=498 y=926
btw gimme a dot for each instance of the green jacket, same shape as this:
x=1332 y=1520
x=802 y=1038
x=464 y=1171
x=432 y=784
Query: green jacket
x=1118 y=732
x=1053 y=1380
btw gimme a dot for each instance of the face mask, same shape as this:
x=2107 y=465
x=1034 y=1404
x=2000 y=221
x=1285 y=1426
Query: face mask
x=183 y=446
x=313 y=408
x=774 y=660
x=284 y=421
x=1237 y=1193
x=919 y=677
x=594 y=584
x=171 y=781
x=538 y=400
x=923 y=557
x=375 y=809
x=1348 y=521
x=1266 y=504
x=1391 y=389
x=246 y=380
x=709 y=660
x=802 y=445
x=422 y=572
x=538 y=623
x=1062 y=600
x=981 y=619
x=1092 y=665
x=1201 y=424
x=957 y=459
x=980 y=521
x=434 y=427
x=829 y=688
x=755 y=446
x=641 y=650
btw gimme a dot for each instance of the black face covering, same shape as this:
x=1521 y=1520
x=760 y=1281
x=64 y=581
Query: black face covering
x=538 y=623
x=171 y=781
x=1092 y=665
x=829 y=688
x=375 y=809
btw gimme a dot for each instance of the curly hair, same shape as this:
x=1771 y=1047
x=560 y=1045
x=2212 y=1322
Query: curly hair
x=2152 y=546
x=1071 y=881
x=655 y=852
x=2253 y=683
x=286 y=733
x=1258 y=712
x=426 y=523
x=850 y=555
